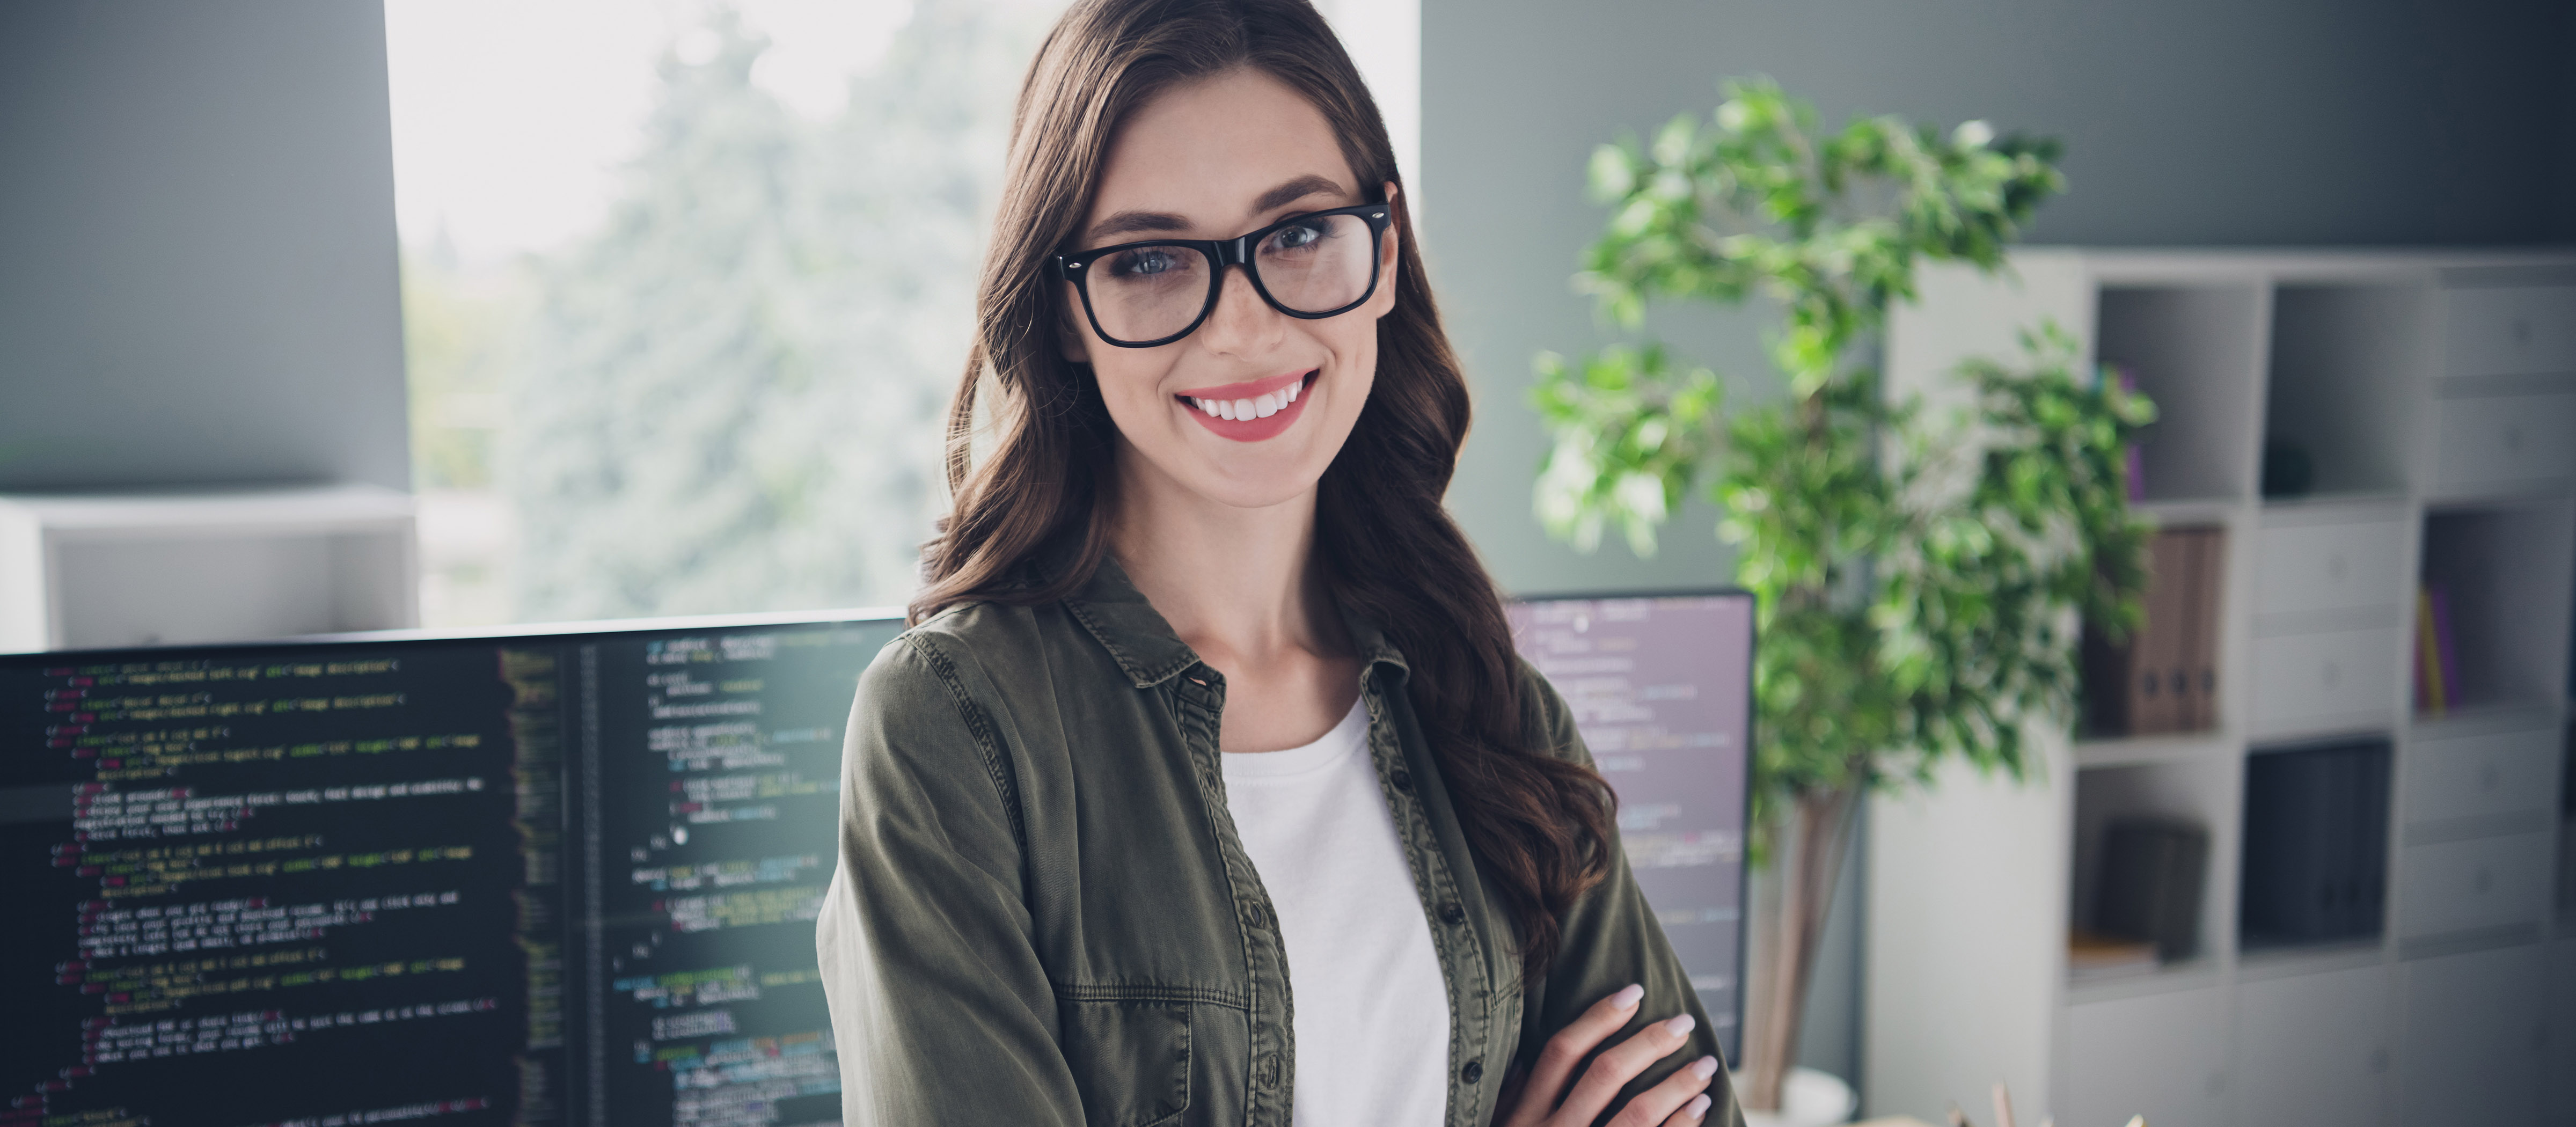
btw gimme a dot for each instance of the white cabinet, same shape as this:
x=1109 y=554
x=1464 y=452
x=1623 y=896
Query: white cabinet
x=2313 y=1050
x=2512 y=443
x=2510 y=330
x=2501 y=775
x=2327 y=567
x=2307 y=683
x=2481 y=884
x=2471 y=1054
x=107 y=570
x=2163 y=1056
x=2431 y=398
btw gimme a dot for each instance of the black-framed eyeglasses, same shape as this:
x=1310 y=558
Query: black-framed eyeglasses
x=1311 y=266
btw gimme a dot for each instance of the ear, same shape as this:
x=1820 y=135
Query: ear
x=1383 y=302
x=1070 y=336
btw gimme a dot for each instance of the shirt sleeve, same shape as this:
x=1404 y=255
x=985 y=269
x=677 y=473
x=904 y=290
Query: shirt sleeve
x=941 y=1010
x=1609 y=939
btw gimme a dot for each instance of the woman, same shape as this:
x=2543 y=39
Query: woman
x=1207 y=788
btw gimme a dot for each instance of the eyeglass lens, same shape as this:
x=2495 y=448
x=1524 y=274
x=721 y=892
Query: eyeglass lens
x=1150 y=292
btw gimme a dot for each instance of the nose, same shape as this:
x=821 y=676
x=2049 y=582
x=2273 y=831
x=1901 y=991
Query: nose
x=1241 y=324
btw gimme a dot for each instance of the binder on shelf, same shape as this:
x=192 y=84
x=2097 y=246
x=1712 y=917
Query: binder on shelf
x=2164 y=678
x=2437 y=656
x=2197 y=699
x=2152 y=872
x=2316 y=841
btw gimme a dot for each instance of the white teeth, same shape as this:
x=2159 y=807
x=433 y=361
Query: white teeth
x=1257 y=407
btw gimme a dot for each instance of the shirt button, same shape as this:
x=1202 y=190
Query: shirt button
x=1403 y=780
x=1452 y=914
x=1474 y=1071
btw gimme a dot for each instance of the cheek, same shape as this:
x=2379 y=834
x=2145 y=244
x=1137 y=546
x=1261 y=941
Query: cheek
x=1131 y=380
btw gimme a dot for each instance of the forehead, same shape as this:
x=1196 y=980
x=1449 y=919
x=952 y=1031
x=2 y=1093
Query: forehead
x=1206 y=149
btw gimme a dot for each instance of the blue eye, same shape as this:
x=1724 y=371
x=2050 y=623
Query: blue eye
x=1144 y=263
x=1293 y=238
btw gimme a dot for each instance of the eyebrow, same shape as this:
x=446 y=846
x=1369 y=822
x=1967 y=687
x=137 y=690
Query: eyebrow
x=1131 y=222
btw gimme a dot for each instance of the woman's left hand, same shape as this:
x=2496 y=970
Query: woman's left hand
x=1543 y=1099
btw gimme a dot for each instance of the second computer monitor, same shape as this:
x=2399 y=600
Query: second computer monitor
x=1661 y=688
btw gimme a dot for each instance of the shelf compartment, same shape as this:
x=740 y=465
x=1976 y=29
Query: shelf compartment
x=2198 y=352
x=2486 y=884
x=2164 y=678
x=2509 y=329
x=2506 y=780
x=2504 y=437
x=139 y=569
x=2314 y=1048
x=2120 y=815
x=2315 y=862
x=2346 y=365
x=2495 y=577
x=2329 y=565
x=2184 y=1032
x=2333 y=681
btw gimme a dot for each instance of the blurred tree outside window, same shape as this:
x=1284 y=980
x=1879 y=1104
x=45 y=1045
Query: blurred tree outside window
x=686 y=286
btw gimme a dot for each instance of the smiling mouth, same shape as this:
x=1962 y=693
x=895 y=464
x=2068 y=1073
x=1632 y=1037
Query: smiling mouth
x=1247 y=407
x=1253 y=411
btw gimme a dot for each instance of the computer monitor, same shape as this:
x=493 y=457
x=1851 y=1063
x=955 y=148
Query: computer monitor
x=569 y=875
x=1661 y=687
x=342 y=882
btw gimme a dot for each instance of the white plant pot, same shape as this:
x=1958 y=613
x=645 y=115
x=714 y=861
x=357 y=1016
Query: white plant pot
x=1808 y=1098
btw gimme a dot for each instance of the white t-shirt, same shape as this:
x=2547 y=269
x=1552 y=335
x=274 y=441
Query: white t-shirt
x=1371 y=1011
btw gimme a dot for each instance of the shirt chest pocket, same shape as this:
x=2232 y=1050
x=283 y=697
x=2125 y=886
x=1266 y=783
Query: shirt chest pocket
x=1130 y=1060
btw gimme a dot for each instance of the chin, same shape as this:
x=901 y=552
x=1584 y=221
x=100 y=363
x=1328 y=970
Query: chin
x=1256 y=481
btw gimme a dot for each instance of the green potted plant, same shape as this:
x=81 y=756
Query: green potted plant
x=1920 y=572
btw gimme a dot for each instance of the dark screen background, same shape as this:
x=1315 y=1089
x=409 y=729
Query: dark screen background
x=274 y=885
x=716 y=760
x=572 y=879
x=338 y=883
x=1662 y=691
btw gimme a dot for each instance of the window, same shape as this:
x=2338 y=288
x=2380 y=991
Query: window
x=686 y=286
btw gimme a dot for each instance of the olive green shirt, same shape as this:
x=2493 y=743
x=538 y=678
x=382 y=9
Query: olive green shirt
x=1042 y=914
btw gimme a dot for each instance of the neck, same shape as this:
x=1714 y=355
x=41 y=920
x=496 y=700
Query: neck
x=1239 y=585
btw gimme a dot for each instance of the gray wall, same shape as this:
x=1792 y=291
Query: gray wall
x=2187 y=122
x=197 y=249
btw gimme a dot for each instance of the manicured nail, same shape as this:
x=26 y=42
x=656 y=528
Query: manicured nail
x=1679 y=1025
x=1704 y=1067
x=1627 y=996
x=1697 y=1107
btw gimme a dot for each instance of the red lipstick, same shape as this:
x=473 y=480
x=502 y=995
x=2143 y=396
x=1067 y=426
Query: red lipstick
x=1284 y=395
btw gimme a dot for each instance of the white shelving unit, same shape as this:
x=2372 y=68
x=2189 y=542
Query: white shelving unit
x=2435 y=395
x=91 y=570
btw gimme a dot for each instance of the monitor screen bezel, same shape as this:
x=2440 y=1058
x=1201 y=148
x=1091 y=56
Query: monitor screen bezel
x=589 y=628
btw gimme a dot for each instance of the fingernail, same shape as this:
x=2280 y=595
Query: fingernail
x=1704 y=1067
x=1627 y=996
x=1679 y=1025
x=1697 y=1107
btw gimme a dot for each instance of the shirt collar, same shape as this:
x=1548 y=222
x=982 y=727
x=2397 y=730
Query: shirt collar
x=1141 y=641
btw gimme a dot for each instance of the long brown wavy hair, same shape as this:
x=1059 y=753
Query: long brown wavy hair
x=1388 y=548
